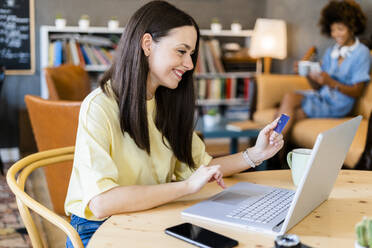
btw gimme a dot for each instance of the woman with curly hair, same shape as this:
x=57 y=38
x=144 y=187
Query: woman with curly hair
x=345 y=68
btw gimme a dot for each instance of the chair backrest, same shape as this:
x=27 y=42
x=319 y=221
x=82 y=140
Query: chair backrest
x=309 y=53
x=67 y=82
x=364 y=104
x=16 y=178
x=54 y=124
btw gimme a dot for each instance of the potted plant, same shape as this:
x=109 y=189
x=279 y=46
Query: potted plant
x=216 y=25
x=84 y=22
x=60 y=22
x=236 y=26
x=211 y=118
x=113 y=23
x=364 y=233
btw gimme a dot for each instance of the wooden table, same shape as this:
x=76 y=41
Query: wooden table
x=330 y=225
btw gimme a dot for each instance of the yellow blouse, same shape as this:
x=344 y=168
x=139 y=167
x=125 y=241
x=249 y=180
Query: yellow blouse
x=105 y=158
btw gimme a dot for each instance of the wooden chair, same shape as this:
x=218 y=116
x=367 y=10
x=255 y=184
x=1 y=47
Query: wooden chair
x=67 y=82
x=54 y=124
x=16 y=178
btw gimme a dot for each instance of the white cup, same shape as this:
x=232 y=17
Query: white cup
x=304 y=67
x=315 y=67
x=297 y=160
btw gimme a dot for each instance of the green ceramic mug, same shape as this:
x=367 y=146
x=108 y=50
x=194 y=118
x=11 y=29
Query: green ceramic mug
x=297 y=161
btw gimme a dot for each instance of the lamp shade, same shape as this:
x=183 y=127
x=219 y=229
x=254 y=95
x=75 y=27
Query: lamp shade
x=269 y=39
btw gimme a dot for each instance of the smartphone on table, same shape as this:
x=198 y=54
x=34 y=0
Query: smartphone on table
x=200 y=237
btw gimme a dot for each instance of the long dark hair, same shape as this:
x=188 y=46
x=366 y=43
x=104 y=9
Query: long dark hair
x=128 y=75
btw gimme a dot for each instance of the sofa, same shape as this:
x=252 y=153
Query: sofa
x=270 y=90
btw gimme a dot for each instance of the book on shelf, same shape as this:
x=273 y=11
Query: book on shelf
x=237 y=112
x=74 y=52
x=215 y=51
x=225 y=88
x=51 y=54
x=81 y=50
x=201 y=88
x=85 y=55
x=80 y=55
x=209 y=57
x=243 y=125
x=100 y=56
x=67 y=52
x=58 y=53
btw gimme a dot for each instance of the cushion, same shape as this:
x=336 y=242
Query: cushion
x=314 y=126
x=265 y=116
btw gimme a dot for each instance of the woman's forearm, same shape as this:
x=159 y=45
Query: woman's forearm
x=268 y=143
x=315 y=85
x=231 y=164
x=135 y=198
x=235 y=163
x=353 y=91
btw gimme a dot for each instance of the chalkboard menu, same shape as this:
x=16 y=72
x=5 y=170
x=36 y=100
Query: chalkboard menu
x=17 y=50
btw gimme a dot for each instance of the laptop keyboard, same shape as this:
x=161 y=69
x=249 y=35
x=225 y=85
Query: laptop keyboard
x=264 y=209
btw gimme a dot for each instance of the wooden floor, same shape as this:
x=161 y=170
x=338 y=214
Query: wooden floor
x=12 y=232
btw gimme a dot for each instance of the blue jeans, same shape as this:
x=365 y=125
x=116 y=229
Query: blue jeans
x=85 y=228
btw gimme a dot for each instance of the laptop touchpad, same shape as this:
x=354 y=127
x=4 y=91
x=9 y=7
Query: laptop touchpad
x=231 y=198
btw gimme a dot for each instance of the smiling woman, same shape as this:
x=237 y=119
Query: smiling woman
x=153 y=52
x=136 y=147
x=170 y=57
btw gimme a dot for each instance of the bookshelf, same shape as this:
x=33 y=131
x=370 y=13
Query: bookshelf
x=48 y=32
x=230 y=91
x=46 y=37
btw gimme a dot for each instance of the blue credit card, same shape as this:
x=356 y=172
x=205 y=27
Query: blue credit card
x=281 y=123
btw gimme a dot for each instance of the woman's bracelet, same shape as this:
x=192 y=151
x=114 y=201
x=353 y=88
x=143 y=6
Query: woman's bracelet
x=249 y=161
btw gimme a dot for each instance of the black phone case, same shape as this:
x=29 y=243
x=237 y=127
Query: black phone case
x=228 y=242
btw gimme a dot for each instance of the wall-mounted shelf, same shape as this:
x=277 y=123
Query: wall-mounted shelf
x=215 y=102
x=225 y=75
x=226 y=33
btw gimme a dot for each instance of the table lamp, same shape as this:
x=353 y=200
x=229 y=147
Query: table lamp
x=269 y=40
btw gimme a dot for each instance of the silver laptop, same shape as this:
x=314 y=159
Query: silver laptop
x=275 y=210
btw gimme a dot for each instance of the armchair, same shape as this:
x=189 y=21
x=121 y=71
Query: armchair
x=272 y=88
